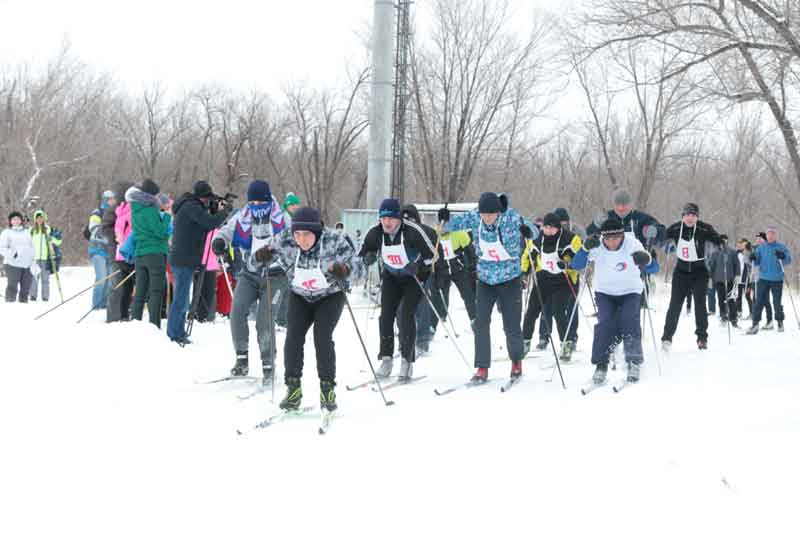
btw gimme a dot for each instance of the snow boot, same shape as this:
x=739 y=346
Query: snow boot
x=327 y=396
x=633 y=372
x=406 y=370
x=542 y=345
x=516 y=369
x=240 y=368
x=768 y=326
x=780 y=326
x=567 y=349
x=480 y=376
x=600 y=372
x=385 y=370
x=294 y=394
x=702 y=344
x=752 y=330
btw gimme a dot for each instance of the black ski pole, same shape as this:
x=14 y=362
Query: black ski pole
x=75 y=295
x=571 y=317
x=271 y=328
x=366 y=353
x=791 y=298
x=444 y=325
x=541 y=306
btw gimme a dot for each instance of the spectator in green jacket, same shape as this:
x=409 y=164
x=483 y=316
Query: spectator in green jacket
x=151 y=227
x=46 y=243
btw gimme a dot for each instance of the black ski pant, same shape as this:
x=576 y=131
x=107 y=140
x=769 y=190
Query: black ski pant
x=19 y=283
x=119 y=298
x=396 y=290
x=207 y=305
x=546 y=325
x=767 y=304
x=510 y=293
x=764 y=289
x=617 y=318
x=426 y=320
x=743 y=292
x=727 y=303
x=683 y=284
x=301 y=314
x=557 y=296
x=151 y=269
x=463 y=282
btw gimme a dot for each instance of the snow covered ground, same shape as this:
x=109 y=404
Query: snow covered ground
x=106 y=429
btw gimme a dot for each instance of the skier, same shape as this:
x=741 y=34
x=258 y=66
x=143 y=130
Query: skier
x=249 y=230
x=761 y=238
x=633 y=221
x=499 y=241
x=45 y=240
x=16 y=247
x=98 y=238
x=743 y=252
x=452 y=268
x=552 y=253
x=317 y=261
x=151 y=227
x=617 y=257
x=121 y=294
x=724 y=268
x=407 y=253
x=770 y=257
x=691 y=237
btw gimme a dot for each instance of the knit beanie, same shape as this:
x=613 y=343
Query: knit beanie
x=201 y=189
x=307 y=219
x=611 y=226
x=691 y=209
x=410 y=212
x=562 y=213
x=290 y=200
x=390 y=207
x=258 y=191
x=489 y=203
x=150 y=187
x=621 y=198
x=551 y=219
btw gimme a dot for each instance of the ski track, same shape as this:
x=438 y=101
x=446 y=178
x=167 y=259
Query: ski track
x=106 y=430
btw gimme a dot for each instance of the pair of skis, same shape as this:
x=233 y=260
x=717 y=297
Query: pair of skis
x=326 y=416
x=616 y=388
x=468 y=385
x=387 y=381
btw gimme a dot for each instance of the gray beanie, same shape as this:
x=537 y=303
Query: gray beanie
x=621 y=197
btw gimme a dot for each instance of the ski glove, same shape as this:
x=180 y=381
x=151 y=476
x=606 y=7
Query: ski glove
x=781 y=255
x=218 y=246
x=264 y=254
x=444 y=214
x=412 y=269
x=339 y=271
x=526 y=231
x=591 y=242
x=370 y=258
x=561 y=265
x=641 y=258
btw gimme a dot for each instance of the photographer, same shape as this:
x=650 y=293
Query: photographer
x=195 y=215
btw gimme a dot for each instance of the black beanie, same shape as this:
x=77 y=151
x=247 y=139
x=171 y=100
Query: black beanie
x=562 y=213
x=410 y=212
x=489 y=203
x=691 y=209
x=611 y=226
x=307 y=219
x=150 y=187
x=201 y=189
x=551 y=219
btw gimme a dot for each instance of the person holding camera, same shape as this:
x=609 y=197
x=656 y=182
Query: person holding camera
x=250 y=230
x=194 y=214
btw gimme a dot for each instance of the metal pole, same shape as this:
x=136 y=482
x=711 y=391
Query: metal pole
x=102 y=281
x=444 y=325
x=380 y=109
x=541 y=306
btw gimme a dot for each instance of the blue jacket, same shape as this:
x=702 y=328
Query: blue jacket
x=507 y=229
x=768 y=267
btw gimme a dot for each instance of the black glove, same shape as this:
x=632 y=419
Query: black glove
x=412 y=269
x=641 y=258
x=526 y=231
x=15 y=255
x=218 y=246
x=370 y=258
x=339 y=271
x=444 y=214
x=264 y=254
x=561 y=265
x=780 y=254
x=591 y=242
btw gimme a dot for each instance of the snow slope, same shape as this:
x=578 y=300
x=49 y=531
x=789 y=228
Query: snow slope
x=105 y=429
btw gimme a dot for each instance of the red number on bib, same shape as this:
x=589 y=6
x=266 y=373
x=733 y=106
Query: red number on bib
x=685 y=252
x=395 y=259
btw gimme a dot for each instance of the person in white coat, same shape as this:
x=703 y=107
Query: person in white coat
x=16 y=247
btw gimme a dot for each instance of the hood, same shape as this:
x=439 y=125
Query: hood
x=36 y=214
x=120 y=188
x=182 y=201
x=134 y=194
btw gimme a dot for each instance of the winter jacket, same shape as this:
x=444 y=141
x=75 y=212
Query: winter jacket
x=769 y=268
x=192 y=224
x=98 y=237
x=107 y=224
x=458 y=243
x=123 y=226
x=745 y=267
x=568 y=244
x=250 y=229
x=16 y=247
x=723 y=265
x=331 y=247
x=634 y=222
x=43 y=240
x=418 y=242
x=152 y=230
x=615 y=272
x=507 y=231
x=705 y=239
x=211 y=262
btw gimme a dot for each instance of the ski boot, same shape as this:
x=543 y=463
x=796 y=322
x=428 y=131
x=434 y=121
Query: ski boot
x=633 y=371
x=294 y=395
x=768 y=326
x=780 y=326
x=268 y=371
x=480 y=376
x=542 y=345
x=666 y=345
x=240 y=368
x=526 y=347
x=600 y=372
x=327 y=396
x=516 y=369
x=406 y=370
x=752 y=330
x=423 y=348
x=385 y=370
x=702 y=344
x=567 y=349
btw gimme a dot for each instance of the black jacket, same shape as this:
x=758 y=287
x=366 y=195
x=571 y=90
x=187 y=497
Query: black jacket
x=191 y=223
x=634 y=222
x=418 y=240
x=704 y=236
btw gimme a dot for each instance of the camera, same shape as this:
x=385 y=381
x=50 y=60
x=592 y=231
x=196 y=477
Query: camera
x=218 y=201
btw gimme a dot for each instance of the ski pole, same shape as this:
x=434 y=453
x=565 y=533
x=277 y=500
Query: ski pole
x=225 y=273
x=50 y=254
x=444 y=325
x=541 y=306
x=653 y=333
x=586 y=279
x=791 y=298
x=366 y=354
x=726 y=301
x=75 y=295
x=271 y=327
x=122 y=282
x=571 y=317
x=449 y=316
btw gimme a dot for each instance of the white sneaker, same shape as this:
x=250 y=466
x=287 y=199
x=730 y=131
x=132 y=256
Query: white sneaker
x=385 y=370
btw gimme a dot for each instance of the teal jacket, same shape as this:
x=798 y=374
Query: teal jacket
x=151 y=228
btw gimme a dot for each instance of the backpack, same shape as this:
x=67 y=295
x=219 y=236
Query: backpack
x=86 y=233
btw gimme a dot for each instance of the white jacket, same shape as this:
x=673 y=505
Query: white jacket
x=17 y=241
x=614 y=271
